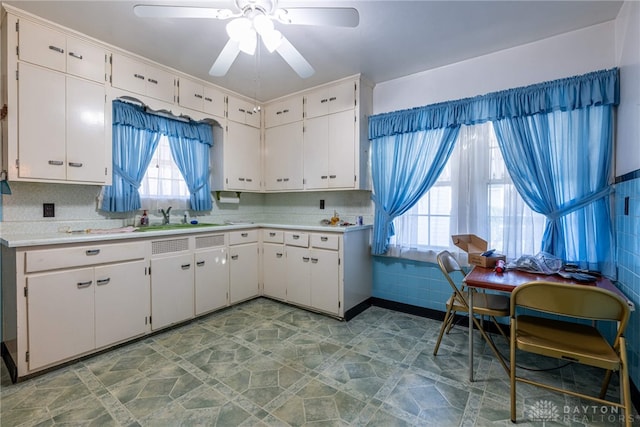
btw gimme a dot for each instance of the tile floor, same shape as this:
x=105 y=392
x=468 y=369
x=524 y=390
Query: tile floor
x=263 y=363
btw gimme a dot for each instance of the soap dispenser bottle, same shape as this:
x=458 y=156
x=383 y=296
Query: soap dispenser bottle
x=144 y=219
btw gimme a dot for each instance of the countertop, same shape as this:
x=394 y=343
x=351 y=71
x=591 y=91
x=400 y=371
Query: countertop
x=16 y=240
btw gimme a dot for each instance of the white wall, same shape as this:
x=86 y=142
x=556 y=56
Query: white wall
x=627 y=42
x=566 y=55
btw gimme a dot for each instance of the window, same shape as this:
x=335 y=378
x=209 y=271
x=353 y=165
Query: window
x=474 y=194
x=163 y=185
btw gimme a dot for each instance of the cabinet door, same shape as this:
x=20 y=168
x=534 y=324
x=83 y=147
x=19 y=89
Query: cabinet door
x=243 y=272
x=128 y=74
x=171 y=290
x=211 y=280
x=41 y=45
x=330 y=100
x=190 y=94
x=242 y=157
x=274 y=271
x=85 y=60
x=122 y=302
x=213 y=102
x=41 y=123
x=341 y=150
x=85 y=142
x=243 y=112
x=316 y=151
x=160 y=84
x=283 y=112
x=298 y=275
x=283 y=157
x=325 y=281
x=60 y=316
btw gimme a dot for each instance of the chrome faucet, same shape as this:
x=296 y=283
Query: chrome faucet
x=165 y=216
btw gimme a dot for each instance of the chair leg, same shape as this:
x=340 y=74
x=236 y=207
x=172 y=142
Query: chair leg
x=495 y=322
x=493 y=347
x=512 y=373
x=452 y=321
x=605 y=384
x=625 y=388
x=445 y=322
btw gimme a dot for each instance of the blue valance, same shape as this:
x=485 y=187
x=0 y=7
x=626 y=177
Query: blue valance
x=595 y=88
x=125 y=113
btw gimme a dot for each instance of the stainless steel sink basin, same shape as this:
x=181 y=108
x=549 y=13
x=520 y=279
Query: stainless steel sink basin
x=160 y=227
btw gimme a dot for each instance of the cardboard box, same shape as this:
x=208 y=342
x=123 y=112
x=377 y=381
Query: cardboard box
x=474 y=246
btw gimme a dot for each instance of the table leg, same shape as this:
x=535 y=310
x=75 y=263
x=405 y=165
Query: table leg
x=470 y=301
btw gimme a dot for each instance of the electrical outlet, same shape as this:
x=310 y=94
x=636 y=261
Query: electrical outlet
x=321 y=203
x=48 y=210
x=626 y=206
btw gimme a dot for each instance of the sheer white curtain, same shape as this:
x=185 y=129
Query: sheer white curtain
x=163 y=185
x=474 y=195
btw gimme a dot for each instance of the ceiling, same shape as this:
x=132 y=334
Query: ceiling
x=393 y=39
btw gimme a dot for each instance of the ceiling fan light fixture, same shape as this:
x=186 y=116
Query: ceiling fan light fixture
x=248 y=42
x=272 y=40
x=262 y=24
x=238 y=28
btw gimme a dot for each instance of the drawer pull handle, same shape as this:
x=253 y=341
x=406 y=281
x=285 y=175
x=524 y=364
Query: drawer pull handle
x=185 y=266
x=296 y=236
x=242 y=110
x=75 y=55
x=332 y=176
x=91 y=252
x=200 y=263
x=278 y=113
x=101 y=282
x=324 y=238
x=197 y=95
x=208 y=99
x=82 y=285
x=314 y=260
x=322 y=101
x=56 y=162
x=249 y=180
x=278 y=255
x=272 y=234
x=323 y=176
x=75 y=164
x=333 y=98
x=285 y=111
x=286 y=180
x=56 y=49
x=234 y=257
x=244 y=234
x=241 y=179
x=279 y=180
x=139 y=76
x=305 y=258
x=155 y=82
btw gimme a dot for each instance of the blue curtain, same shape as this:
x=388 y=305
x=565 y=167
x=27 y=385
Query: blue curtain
x=557 y=141
x=561 y=164
x=133 y=148
x=403 y=168
x=135 y=137
x=192 y=158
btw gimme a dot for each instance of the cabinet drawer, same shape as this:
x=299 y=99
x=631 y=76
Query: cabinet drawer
x=244 y=236
x=273 y=236
x=296 y=239
x=49 y=259
x=325 y=241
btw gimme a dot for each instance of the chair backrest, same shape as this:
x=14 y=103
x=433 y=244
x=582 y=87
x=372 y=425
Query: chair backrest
x=573 y=300
x=448 y=264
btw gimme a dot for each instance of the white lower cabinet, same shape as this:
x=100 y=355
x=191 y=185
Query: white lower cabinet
x=73 y=312
x=211 y=279
x=172 y=291
x=274 y=276
x=243 y=272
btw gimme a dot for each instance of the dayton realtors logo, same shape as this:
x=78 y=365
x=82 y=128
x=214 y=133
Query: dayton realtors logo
x=545 y=410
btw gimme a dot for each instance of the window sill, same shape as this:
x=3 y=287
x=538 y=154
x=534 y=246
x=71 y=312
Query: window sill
x=420 y=255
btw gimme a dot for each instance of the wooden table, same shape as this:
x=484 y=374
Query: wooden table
x=487 y=278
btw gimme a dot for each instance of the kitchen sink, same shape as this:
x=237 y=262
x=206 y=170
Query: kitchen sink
x=160 y=227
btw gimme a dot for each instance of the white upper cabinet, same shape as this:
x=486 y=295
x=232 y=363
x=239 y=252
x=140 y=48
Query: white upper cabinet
x=283 y=112
x=283 y=157
x=145 y=79
x=245 y=112
x=196 y=96
x=332 y=99
x=53 y=49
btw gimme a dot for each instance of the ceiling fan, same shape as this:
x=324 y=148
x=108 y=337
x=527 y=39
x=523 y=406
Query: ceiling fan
x=255 y=18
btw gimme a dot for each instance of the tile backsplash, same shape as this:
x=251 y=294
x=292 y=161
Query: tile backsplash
x=76 y=207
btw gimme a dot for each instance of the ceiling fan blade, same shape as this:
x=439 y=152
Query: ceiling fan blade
x=159 y=11
x=295 y=60
x=225 y=59
x=333 y=16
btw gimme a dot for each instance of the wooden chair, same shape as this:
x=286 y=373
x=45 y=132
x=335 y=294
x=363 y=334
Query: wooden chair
x=563 y=339
x=483 y=305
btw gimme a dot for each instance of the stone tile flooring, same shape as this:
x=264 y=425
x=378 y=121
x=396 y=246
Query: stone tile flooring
x=263 y=363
